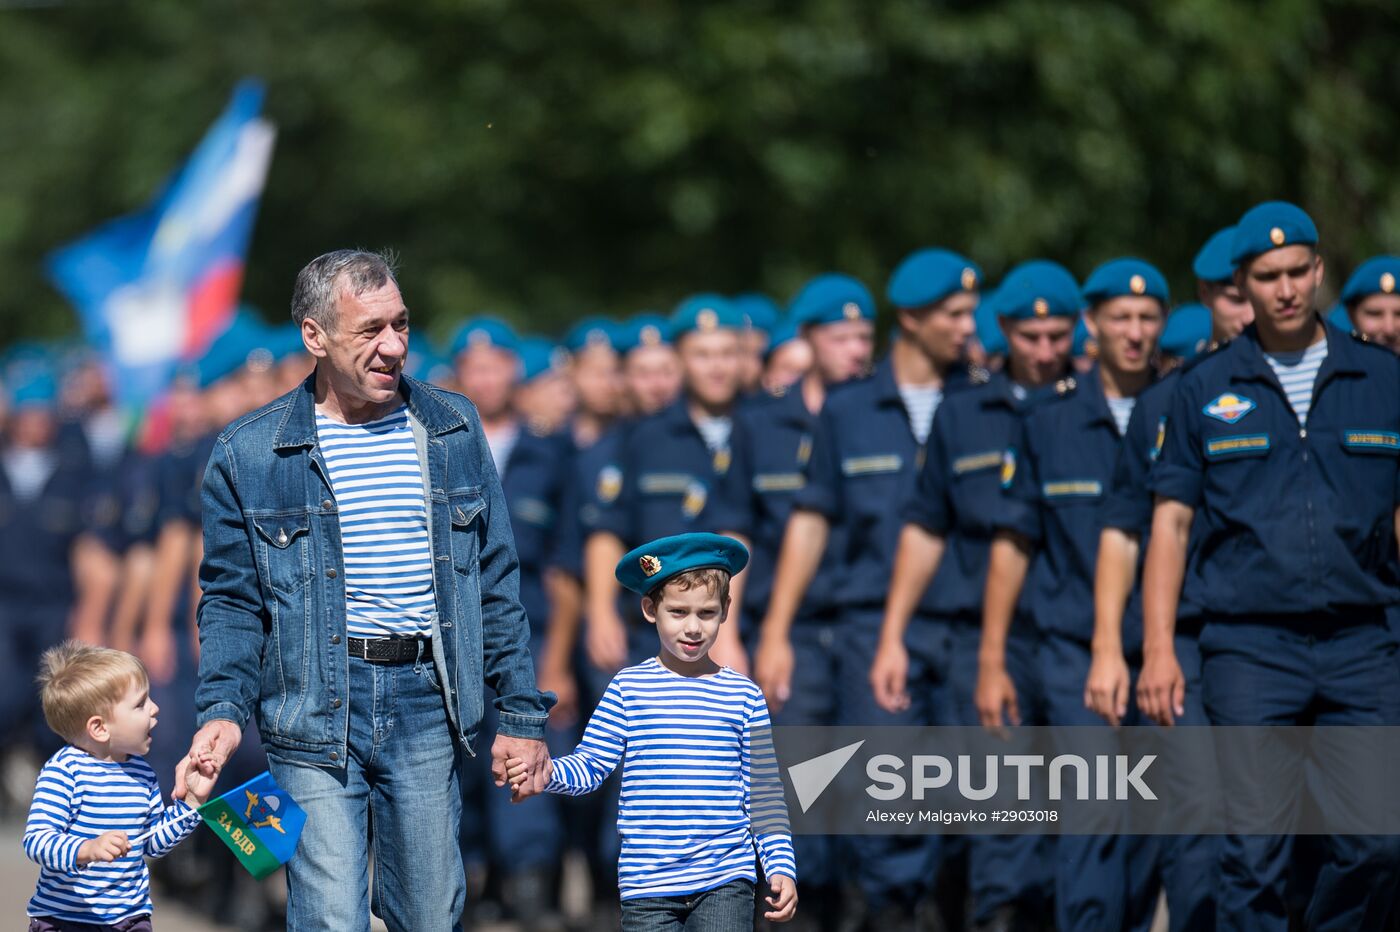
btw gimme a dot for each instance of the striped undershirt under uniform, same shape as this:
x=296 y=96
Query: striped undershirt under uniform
x=921 y=403
x=1297 y=373
x=378 y=484
x=78 y=797
x=1122 y=411
x=700 y=785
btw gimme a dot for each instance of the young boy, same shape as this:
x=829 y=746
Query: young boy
x=699 y=784
x=97 y=811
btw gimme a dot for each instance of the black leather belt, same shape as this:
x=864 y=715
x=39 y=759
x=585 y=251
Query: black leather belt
x=390 y=650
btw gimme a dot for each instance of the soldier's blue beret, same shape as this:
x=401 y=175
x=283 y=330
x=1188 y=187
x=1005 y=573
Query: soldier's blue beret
x=830 y=298
x=989 y=332
x=484 y=331
x=33 y=386
x=646 y=329
x=1187 y=331
x=591 y=331
x=424 y=362
x=1340 y=318
x=539 y=356
x=1271 y=225
x=1377 y=275
x=1035 y=289
x=284 y=341
x=761 y=310
x=930 y=275
x=650 y=565
x=1117 y=278
x=705 y=312
x=785 y=332
x=1213 y=262
x=1079 y=344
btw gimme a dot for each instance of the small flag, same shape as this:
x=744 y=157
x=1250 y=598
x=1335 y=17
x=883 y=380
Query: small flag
x=259 y=822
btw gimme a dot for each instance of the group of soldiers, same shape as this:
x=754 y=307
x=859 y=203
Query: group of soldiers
x=952 y=532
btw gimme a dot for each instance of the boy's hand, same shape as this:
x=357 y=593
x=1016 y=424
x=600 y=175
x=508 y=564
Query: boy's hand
x=783 y=900
x=198 y=784
x=105 y=847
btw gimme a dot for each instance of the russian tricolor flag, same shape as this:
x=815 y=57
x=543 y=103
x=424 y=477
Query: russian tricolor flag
x=155 y=288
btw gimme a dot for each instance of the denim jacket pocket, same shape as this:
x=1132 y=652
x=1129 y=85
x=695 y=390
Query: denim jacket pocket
x=284 y=550
x=463 y=508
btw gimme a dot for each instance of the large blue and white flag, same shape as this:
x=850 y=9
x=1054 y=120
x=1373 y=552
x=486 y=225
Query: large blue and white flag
x=154 y=288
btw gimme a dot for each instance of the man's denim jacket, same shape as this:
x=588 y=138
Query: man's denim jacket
x=272 y=617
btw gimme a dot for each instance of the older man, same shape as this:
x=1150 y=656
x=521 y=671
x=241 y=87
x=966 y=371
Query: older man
x=360 y=583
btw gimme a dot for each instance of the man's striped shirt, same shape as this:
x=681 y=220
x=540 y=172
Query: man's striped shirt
x=378 y=485
x=78 y=797
x=700 y=785
x=1297 y=373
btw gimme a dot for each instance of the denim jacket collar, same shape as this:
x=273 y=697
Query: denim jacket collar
x=298 y=427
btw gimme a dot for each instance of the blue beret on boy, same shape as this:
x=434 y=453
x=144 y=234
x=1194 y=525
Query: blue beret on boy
x=705 y=312
x=1036 y=289
x=1271 y=225
x=33 y=386
x=762 y=311
x=831 y=298
x=1187 y=331
x=650 y=565
x=484 y=331
x=1213 y=262
x=645 y=329
x=1117 y=278
x=930 y=275
x=591 y=331
x=1377 y=275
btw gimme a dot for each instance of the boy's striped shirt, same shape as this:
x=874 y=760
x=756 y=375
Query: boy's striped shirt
x=378 y=483
x=700 y=785
x=78 y=797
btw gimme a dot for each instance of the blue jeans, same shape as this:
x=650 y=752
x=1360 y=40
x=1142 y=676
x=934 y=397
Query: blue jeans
x=403 y=776
x=726 y=908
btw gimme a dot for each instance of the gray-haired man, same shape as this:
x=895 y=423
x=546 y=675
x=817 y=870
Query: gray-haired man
x=360 y=583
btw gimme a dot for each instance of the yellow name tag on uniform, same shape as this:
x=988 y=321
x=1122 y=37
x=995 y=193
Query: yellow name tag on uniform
x=869 y=465
x=975 y=461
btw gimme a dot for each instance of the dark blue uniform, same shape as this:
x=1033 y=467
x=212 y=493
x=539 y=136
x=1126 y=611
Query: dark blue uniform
x=670 y=482
x=957 y=497
x=1292 y=573
x=1063 y=465
x=864 y=462
x=37 y=533
x=536 y=482
x=1187 y=863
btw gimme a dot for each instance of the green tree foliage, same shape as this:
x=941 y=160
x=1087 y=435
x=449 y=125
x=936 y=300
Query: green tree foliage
x=549 y=159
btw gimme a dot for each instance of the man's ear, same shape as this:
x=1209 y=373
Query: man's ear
x=1321 y=272
x=649 y=609
x=313 y=338
x=96 y=729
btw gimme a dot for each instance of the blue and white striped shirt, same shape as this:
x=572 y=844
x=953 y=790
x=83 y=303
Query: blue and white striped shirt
x=1297 y=373
x=378 y=485
x=700 y=785
x=78 y=797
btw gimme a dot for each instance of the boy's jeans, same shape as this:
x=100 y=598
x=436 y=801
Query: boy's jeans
x=726 y=908
x=403 y=774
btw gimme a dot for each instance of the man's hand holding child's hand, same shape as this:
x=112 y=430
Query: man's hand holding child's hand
x=517 y=774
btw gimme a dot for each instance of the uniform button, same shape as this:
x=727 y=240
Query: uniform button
x=335 y=756
x=335 y=703
x=330 y=574
x=335 y=639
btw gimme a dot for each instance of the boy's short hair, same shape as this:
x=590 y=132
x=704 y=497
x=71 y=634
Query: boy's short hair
x=714 y=579
x=78 y=681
